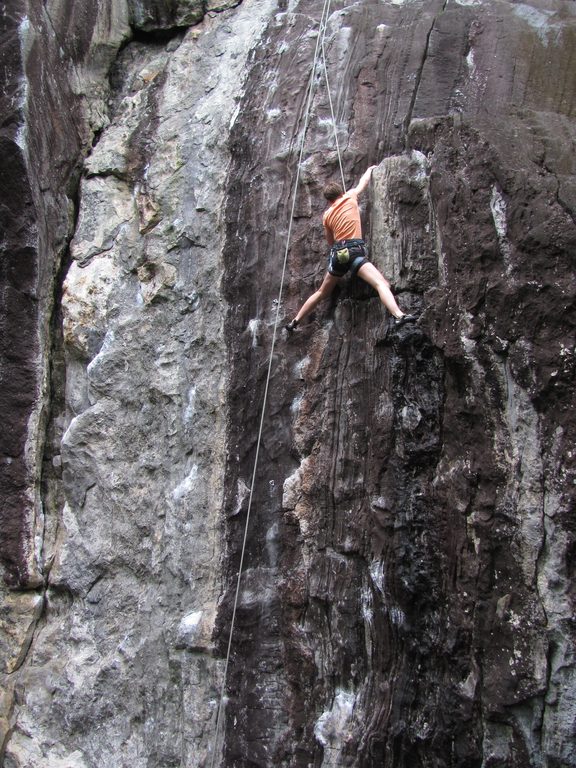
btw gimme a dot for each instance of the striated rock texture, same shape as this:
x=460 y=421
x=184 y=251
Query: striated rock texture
x=407 y=589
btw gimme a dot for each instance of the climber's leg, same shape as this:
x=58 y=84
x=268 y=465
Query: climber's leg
x=328 y=284
x=373 y=277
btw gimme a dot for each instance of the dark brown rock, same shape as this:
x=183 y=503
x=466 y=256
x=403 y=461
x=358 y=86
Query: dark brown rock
x=39 y=175
x=22 y=289
x=414 y=545
x=158 y=17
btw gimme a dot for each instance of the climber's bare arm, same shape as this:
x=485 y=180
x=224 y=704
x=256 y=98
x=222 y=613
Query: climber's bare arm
x=329 y=236
x=363 y=183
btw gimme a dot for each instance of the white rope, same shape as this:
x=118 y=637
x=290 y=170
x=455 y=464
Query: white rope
x=319 y=42
x=330 y=97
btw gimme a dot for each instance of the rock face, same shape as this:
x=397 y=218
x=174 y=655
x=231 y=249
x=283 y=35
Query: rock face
x=406 y=596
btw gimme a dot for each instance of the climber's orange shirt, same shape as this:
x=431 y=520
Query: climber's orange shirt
x=343 y=218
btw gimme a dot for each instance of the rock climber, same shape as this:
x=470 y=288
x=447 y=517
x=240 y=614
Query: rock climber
x=343 y=231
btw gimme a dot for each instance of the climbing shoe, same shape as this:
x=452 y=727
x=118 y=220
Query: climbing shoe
x=292 y=326
x=398 y=321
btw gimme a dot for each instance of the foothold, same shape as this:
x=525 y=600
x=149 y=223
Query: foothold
x=400 y=321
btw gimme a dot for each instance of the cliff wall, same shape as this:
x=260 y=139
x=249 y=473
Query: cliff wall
x=407 y=588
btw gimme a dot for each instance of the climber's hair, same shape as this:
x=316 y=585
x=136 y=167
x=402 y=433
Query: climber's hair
x=332 y=191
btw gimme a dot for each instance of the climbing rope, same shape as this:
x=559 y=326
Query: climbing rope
x=310 y=88
x=330 y=98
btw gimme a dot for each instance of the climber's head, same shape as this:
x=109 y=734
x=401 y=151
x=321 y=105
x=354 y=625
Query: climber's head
x=332 y=191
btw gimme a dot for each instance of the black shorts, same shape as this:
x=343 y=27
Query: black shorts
x=347 y=256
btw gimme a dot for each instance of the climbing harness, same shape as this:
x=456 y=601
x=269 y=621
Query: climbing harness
x=347 y=255
x=319 y=50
